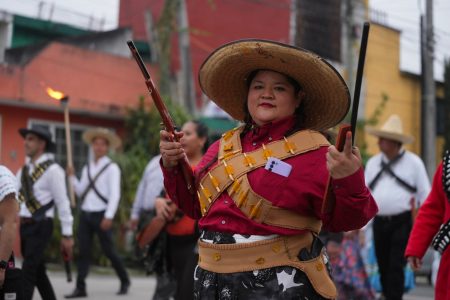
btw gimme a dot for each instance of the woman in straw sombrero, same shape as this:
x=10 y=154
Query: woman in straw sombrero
x=260 y=188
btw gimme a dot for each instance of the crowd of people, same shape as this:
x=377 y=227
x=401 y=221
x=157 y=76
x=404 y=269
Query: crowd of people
x=254 y=226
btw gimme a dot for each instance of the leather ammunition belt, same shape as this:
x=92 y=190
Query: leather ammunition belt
x=230 y=176
x=442 y=239
x=280 y=251
x=446 y=174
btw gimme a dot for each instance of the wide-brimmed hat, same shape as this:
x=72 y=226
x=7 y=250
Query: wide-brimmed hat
x=42 y=132
x=223 y=78
x=392 y=129
x=99 y=132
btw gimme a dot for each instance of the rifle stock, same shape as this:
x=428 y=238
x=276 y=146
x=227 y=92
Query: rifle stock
x=328 y=198
x=164 y=113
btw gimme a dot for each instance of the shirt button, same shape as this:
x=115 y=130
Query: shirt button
x=270 y=138
x=254 y=144
x=223 y=222
x=226 y=201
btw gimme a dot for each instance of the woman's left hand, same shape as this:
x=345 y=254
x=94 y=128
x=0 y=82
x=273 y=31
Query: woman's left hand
x=345 y=163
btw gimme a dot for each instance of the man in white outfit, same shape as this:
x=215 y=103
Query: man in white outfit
x=99 y=193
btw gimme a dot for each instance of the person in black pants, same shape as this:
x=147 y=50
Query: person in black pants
x=41 y=187
x=399 y=183
x=99 y=191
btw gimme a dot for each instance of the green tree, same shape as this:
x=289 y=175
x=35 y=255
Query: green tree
x=372 y=120
x=141 y=143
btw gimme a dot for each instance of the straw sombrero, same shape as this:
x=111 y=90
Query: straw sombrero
x=392 y=129
x=113 y=140
x=223 y=76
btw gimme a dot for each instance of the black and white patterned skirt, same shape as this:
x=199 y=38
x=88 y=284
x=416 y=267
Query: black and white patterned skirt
x=283 y=282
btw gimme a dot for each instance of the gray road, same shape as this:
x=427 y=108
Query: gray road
x=105 y=286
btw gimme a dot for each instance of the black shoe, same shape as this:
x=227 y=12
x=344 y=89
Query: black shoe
x=77 y=293
x=124 y=286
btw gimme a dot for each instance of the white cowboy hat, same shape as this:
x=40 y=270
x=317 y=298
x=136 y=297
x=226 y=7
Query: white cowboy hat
x=223 y=78
x=90 y=134
x=392 y=129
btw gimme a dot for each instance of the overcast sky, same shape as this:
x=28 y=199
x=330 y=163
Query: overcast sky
x=401 y=14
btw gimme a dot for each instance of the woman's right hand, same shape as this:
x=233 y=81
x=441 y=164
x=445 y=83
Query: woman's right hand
x=171 y=152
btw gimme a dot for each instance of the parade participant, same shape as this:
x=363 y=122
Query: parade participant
x=260 y=188
x=399 y=182
x=433 y=221
x=150 y=188
x=42 y=186
x=182 y=232
x=99 y=192
x=8 y=215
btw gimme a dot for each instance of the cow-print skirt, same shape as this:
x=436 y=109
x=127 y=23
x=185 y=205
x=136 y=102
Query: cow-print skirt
x=273 y=283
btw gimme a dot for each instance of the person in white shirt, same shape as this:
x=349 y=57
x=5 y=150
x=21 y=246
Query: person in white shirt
x=8 y=213
x=99 y=193
x=149 y=196
x=149 y=188
x=399 y=183
x=41 y=186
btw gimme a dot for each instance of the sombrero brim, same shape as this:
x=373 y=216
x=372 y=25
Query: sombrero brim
x=223 y=76
x=402 y=138
x=113 y=140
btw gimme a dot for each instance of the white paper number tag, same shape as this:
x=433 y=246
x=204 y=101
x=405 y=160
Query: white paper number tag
x=278 y=166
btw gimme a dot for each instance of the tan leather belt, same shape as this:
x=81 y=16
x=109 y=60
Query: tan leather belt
x=280 y=251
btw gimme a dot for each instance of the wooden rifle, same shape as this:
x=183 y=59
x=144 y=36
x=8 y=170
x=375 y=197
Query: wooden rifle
x=328 y=199
x=165 y=116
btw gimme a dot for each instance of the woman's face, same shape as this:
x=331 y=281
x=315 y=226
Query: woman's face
x=271 y=97
x=191 y=142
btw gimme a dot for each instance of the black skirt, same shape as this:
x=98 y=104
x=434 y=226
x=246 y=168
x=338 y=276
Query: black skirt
x=282 y=282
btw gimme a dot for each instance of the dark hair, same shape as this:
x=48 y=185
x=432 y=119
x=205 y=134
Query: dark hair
x=299 y=116
x=202 y=132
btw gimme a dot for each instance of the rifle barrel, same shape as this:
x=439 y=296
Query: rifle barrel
x=138 y=59
x=359 y=75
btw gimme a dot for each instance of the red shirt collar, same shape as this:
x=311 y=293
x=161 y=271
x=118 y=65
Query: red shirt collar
x=274 y=130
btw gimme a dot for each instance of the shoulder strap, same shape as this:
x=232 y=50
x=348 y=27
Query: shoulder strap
x=403 y=183
x=446 y=174
x=26 y=193
x=384 y=167
x=261 y=210
x=92 y=183
x=233 y=166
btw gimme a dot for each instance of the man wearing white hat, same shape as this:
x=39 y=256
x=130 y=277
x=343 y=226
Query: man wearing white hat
x=99 y=192
x=398 y=181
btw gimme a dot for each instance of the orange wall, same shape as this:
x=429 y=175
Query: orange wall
x=13 y=118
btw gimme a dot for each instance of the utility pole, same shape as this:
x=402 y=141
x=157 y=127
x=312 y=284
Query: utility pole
x=348 y=43
x=152 y=36
x=429 y=94
x=187 y=82
x=293 y=23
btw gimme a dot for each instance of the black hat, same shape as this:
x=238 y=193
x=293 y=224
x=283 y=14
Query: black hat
x=42 y=132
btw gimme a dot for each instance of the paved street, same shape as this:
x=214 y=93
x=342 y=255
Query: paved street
x=105 y=286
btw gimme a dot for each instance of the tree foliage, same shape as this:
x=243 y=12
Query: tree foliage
x=373 y=121
x=141 y=143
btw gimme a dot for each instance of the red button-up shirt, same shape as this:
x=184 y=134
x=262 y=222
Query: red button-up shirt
x=302 y=191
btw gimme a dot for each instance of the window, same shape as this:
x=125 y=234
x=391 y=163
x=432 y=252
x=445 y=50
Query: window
x=80 y=151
